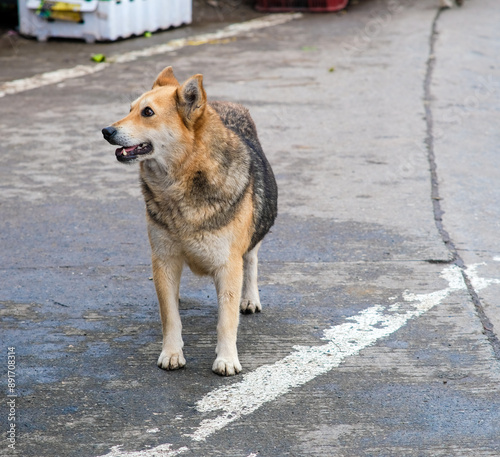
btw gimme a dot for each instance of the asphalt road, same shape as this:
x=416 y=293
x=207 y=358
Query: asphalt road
x=379 y=282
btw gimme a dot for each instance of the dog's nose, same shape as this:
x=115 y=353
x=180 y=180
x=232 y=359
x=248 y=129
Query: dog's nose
x=108 y=132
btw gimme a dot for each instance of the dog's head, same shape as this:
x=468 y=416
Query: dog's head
x=161 y=120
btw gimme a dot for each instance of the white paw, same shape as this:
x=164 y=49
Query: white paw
x=226 y=367
x=249 y=306
x=171 y=360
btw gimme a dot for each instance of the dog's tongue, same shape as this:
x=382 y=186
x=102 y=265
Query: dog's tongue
x=123 y=149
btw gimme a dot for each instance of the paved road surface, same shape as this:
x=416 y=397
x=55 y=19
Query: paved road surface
x=380 y=280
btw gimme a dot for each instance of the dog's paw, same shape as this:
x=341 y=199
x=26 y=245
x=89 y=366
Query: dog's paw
x=226 y=367
x=171 y=361
x=249 y=306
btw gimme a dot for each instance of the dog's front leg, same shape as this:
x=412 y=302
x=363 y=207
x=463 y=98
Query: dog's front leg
x=228 y=282
x=167 y=276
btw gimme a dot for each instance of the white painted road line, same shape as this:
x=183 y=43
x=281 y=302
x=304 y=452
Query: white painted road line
x=50 y=77
x=57 y=76
x=269 y=382
x=477 y=282
x=164 y=450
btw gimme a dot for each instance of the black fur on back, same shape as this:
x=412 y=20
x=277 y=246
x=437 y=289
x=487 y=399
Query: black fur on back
x=265 y=191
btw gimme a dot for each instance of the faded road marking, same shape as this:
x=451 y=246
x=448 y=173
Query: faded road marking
x=477 y=282
x=269 y=382
x=159 y=451
x=57 y=76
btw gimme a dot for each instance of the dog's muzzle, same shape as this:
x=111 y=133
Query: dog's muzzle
x=126 y=153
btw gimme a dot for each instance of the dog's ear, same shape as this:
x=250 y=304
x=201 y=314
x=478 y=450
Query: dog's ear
x=166 y=78
x=191 y=99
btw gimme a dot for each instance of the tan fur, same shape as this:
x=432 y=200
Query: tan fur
x=190 y=180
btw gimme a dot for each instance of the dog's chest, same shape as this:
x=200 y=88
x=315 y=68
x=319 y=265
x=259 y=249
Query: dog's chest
x=204 y=252
x=194 y=225
x=207 y=252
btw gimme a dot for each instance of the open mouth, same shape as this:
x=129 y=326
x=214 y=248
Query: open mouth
x=124 y=154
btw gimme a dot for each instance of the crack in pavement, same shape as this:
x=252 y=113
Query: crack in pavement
x=488 y=328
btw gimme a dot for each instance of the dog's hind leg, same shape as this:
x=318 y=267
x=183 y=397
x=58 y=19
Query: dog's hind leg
x=228 y=282
x=167 y=277
x=250 y=301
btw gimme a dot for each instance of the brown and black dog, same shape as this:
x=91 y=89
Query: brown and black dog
x=211 y=197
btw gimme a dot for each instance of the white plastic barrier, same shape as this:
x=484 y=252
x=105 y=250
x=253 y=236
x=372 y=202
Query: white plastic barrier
x=105 y=20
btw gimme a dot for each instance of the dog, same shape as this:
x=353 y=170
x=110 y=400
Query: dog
x=211 y=197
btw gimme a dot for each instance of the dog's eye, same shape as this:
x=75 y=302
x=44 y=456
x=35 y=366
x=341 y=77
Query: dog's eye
x=147 y=112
